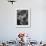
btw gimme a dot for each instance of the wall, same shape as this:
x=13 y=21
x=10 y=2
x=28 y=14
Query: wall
x=8 y=28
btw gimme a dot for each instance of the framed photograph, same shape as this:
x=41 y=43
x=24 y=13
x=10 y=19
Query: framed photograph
x=23 y=17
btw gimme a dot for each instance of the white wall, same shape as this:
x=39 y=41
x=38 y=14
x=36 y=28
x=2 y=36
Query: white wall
x=8 y=28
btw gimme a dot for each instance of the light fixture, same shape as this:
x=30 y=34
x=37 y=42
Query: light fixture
x=12 y=1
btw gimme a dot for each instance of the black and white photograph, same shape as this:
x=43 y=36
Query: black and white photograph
x=23 y=17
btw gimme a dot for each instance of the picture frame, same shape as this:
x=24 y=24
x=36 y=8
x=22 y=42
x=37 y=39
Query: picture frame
x=23 y=17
